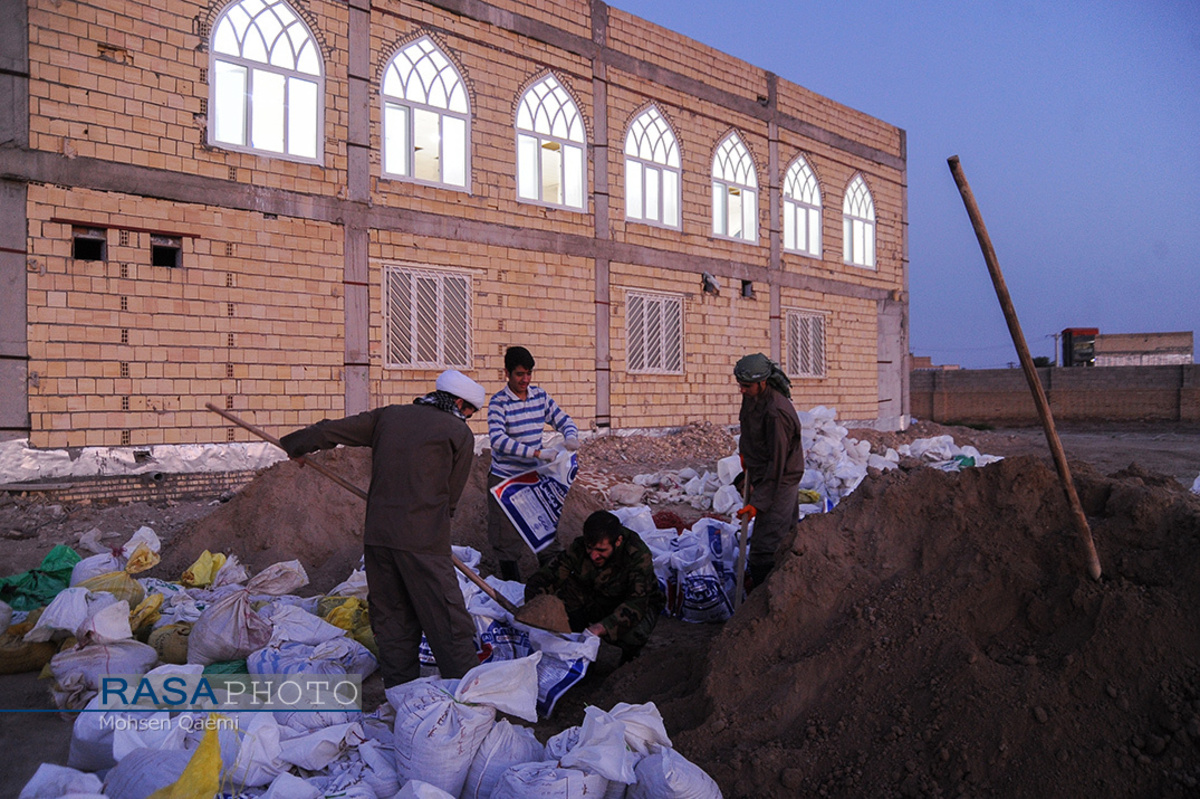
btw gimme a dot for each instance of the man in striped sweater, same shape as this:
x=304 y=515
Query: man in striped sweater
x=517 y=415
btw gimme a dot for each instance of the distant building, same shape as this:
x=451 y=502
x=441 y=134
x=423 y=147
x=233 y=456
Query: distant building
x=1144 y=349
x=924 y=363
x=1086 y=346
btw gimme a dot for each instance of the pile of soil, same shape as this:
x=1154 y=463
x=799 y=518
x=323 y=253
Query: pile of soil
x=937 y=635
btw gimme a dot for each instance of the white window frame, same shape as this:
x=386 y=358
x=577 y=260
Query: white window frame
x=858 y=224
x=422 y=83
x=262 y=52
x=421 y=340
x=548 y=122
x=806 y=343
x=801 y=210
x=653 y=333
x=653 y=172
x=735 y=191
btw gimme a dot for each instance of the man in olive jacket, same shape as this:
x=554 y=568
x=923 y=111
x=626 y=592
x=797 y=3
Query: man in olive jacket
x=421 y=457
x=605 y=578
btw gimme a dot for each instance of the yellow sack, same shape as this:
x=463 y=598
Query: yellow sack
x=146 y=613
x=171 y=642
x=121 y=584
x=808 y=497
x=201 y=573
x=201 y=779
x=350 y=614
x=18 y=655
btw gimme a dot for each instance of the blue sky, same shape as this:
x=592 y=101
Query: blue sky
x=1078 y=128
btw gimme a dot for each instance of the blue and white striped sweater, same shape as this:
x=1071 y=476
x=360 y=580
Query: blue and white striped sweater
x=515 y=428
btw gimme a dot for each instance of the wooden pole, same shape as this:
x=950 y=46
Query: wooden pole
x=470 y=574
x=743 y=545
x=1031 y=376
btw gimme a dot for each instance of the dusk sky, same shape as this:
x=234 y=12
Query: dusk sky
x=1078 y=128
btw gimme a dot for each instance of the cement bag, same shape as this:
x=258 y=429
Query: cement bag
x=548 y=781
x=51 y=782
x=533 y=500
x=666 y=774
x=229 y=629
x=144 y=771
x=721 y=538
x=336 y=656
x=702 y=592
x=506 y=745
x=77 y=671
x=436 y=736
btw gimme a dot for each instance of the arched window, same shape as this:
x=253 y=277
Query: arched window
x=801 y=210
x=735 y=191
x=858 y=224
x=652 y=171
x=267 y=90
x=426 y=117
x=551 y=146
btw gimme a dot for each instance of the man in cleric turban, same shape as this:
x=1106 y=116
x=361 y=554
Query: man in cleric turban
x=421 y=457
x=772 y=458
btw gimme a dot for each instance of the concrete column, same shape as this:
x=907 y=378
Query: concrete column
x=14 y=132
x=356 y=280
x=602 y=227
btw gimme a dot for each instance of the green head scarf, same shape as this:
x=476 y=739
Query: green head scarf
x=758 y=367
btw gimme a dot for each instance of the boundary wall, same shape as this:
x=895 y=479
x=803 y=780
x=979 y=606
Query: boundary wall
x=1111 y=393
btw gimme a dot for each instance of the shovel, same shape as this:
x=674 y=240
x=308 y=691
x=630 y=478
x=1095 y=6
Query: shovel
x=470 y=574
x=743 y=535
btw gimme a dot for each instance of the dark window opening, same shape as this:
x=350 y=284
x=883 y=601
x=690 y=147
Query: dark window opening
x=89 y=244
x=166 y=251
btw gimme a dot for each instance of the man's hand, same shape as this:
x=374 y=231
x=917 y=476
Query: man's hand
x=596 y=629
x=571 y=443
x=747 y=513
x=543 y=455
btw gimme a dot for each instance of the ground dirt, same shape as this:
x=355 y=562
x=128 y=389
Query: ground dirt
x=935 y=635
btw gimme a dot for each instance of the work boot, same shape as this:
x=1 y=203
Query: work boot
x=510 y=571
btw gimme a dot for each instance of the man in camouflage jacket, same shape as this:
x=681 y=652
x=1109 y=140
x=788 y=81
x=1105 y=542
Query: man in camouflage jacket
x=605 y=578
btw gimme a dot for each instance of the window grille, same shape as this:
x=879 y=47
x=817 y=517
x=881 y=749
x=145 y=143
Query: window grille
x=805 y=344
x=551 y=147
x=654 y=333
x=858 y=224
x=735 y=191
x=652 y=171
x=427 y=318
x=426 y=117
x=801 y=210
x=267 y=85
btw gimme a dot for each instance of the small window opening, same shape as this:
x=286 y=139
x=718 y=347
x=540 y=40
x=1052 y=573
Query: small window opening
x=166 y=251
x=89 y=244
x=125 y=438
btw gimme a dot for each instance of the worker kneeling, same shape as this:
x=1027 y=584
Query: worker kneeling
x=606 y=581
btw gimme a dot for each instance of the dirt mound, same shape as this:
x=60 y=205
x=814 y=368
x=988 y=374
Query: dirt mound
x=294 y=513
x=937 y=635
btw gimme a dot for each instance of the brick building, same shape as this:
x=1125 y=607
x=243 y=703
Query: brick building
x=305 y=209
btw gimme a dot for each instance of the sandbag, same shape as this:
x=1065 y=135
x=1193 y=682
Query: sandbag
x=171 y=642
x=51 y=782
x=436 y=736
x=505 y=746
x=229 y=629
x=336 y=656
x=18 y=656
x=36 y=588
x=77 y=670
x=144 y=771
x=666 y=774
x=547 y=780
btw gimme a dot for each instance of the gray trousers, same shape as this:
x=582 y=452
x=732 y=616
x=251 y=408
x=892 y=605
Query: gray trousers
x=411 y=592
x=773 y=525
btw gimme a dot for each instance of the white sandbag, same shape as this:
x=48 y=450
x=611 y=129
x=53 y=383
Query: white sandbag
x=644 y=726
x=107 y=624
x=436 y=736
x=6 y=614
x=287 y=786
x=510 y=686
x=306 y=720
x=259 y=758
x=558 y=745
x=91 y=746
x=229 y=629
x=152 y=730
x=231 y=572
x=315 y=750
x=335 y=656
x=702 y=592
x=727 y=499
x=548 y=781
x=637 y=518
x=728 y=469
x=379 y=766
x=144 y=771
x=1196 y=485
x=77 y=671
x=506 y=745
x=290 y=623
x=67 y=611
x=416 y=789
x=94 y=566
x=601 y=748
x=666 y=774
x=355 y=585
x=51 y=782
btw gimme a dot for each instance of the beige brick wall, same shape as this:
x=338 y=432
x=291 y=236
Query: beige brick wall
x=125 y=352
